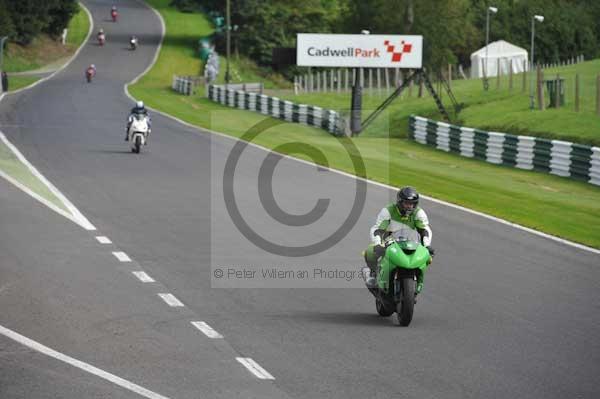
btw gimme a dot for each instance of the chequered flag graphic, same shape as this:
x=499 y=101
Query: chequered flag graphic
x=397 y=55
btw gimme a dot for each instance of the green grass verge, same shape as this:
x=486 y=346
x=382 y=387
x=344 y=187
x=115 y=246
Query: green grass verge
x=11 y=165
x=17 y=82
x=78 y=28
x=179 y=55
x=555 y=205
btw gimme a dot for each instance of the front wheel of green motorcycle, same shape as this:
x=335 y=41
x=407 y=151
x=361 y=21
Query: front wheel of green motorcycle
x=406 y=305
x=382 y=309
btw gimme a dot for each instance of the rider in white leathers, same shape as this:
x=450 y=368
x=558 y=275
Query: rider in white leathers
x=138 y=109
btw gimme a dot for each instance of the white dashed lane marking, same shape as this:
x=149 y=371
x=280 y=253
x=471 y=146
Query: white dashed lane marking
x=143 y=277
x=103 y=240
x=255 y=368
x=80 y=365
x=122 y=256
x=206 y=329
x=171 y=300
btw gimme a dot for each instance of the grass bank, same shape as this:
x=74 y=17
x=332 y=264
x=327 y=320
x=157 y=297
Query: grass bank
x=44 y=50
x=536 y=200
x=499 y=109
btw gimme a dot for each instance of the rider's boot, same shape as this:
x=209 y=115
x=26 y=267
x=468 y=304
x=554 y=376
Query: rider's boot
x=369 y=275
x=419 y=285
x=369 y=272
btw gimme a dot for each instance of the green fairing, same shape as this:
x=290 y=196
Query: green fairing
x=396 y=257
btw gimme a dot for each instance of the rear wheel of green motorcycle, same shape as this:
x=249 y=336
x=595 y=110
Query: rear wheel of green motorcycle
x=406 y=305
x=383 y=310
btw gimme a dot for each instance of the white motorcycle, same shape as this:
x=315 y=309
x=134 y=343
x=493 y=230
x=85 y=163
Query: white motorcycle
x=138 y=132
x=133 y=43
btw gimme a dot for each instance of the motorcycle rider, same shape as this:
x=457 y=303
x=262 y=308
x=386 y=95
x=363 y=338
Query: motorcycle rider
x=133 y=40
x=91 y=70
x=139 y=109
x=101 y=35
x=113 y=13
x=390 y=219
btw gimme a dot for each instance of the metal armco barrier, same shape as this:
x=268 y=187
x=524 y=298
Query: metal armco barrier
x=560 y=158
x=277 y=108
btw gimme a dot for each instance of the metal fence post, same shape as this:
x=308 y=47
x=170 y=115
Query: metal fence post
x=576 y=92
x=331 y=80
x=346 y=79
x=510 y=74
x=598 y=95
x=387 y=80
x=498 y=73
x=525 y=69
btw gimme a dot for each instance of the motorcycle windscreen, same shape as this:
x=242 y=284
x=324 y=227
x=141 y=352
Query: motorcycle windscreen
x=406 y=234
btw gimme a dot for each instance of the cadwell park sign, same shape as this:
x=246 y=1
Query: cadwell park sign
x=367 y=51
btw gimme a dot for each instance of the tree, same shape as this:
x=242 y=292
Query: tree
x=7 y=28
x=28 y=18
x=266 y=25
x=60 y=13
x=452 y=29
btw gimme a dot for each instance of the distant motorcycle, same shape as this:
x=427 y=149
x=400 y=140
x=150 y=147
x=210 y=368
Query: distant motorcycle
x=89 y=74
x=101 y=39
x=138 y=132
x=133 y=43
x=114 y=15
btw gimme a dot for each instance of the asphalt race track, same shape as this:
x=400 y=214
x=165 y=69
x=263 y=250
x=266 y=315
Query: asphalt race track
x=504 y=313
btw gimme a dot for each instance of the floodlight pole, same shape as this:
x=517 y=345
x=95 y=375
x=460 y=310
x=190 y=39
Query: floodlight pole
x=531 y=65
x=228 y=39
x=356 y=99
x=2 y=40
x=486 y=84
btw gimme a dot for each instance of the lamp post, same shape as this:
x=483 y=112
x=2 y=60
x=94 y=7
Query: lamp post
x=539 y=18
x=486 y=83
x=356 y=100
x=228 y=39
x=2 y=40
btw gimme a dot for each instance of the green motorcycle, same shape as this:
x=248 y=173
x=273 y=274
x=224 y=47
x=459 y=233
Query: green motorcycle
x=400 y=274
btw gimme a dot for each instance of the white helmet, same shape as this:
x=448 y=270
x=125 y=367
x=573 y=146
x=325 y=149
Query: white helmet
x=139 y=104
x=101 y=30
x=93 y=66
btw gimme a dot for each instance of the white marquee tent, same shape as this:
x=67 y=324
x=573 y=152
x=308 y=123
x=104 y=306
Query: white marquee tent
x=499 y=50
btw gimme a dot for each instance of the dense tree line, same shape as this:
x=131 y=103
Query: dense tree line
x=452 y=29
x=23 y=20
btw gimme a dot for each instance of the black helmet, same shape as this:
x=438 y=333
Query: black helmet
x=407 y=200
